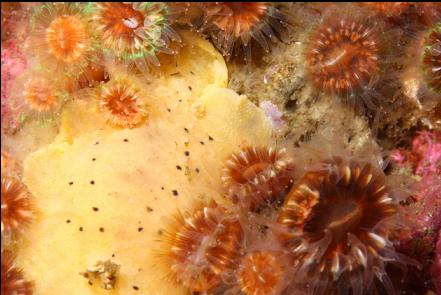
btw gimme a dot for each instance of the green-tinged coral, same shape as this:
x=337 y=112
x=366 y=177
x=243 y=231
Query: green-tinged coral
x=135 y=32
x=62 y=38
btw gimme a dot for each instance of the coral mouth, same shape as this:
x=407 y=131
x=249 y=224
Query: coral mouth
x=348 y=218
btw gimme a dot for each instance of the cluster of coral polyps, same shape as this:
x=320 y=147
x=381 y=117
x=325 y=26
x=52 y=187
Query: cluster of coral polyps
x=354 y=53
x=69 y=45
x=127 y=166
x=323 y=227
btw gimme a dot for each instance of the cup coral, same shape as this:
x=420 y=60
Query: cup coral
x=344 y=55
x=136 y=32
x=62 y=39
x=432 y=60
x=232 y=25
x=16 y=206
x=119 y=100
x=338 y=219
x=348 y=55
x=257 y=176
x=36 y=95
x=200 y=246
x=262 y=272
x=429 y=13
x=13 y=281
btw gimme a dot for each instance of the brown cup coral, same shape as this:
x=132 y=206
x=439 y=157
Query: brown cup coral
x=16 y=206
x=429 y=13
x=199 y=246
x=257 y=175
x=235 y=24
x=337 y=220
x=344 y=55
x=261 y=273
x=12 y=277
x=349 y=54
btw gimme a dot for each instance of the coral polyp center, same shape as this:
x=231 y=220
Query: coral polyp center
x=67 y=38
x=261 y=273
x=201 y=246
x=121 y=104
x=40 y=96
x=257 y=175
x=338 y=219
x=343 y=56
x=432 y=59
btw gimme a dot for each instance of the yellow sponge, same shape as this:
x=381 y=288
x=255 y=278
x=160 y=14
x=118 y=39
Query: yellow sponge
x=104 y=193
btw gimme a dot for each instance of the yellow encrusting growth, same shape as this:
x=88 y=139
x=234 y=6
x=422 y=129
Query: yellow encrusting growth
x=103 y=193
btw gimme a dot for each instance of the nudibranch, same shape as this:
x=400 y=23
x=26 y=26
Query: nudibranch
x=337 y=221
x=199 y=246
x=256 y=176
